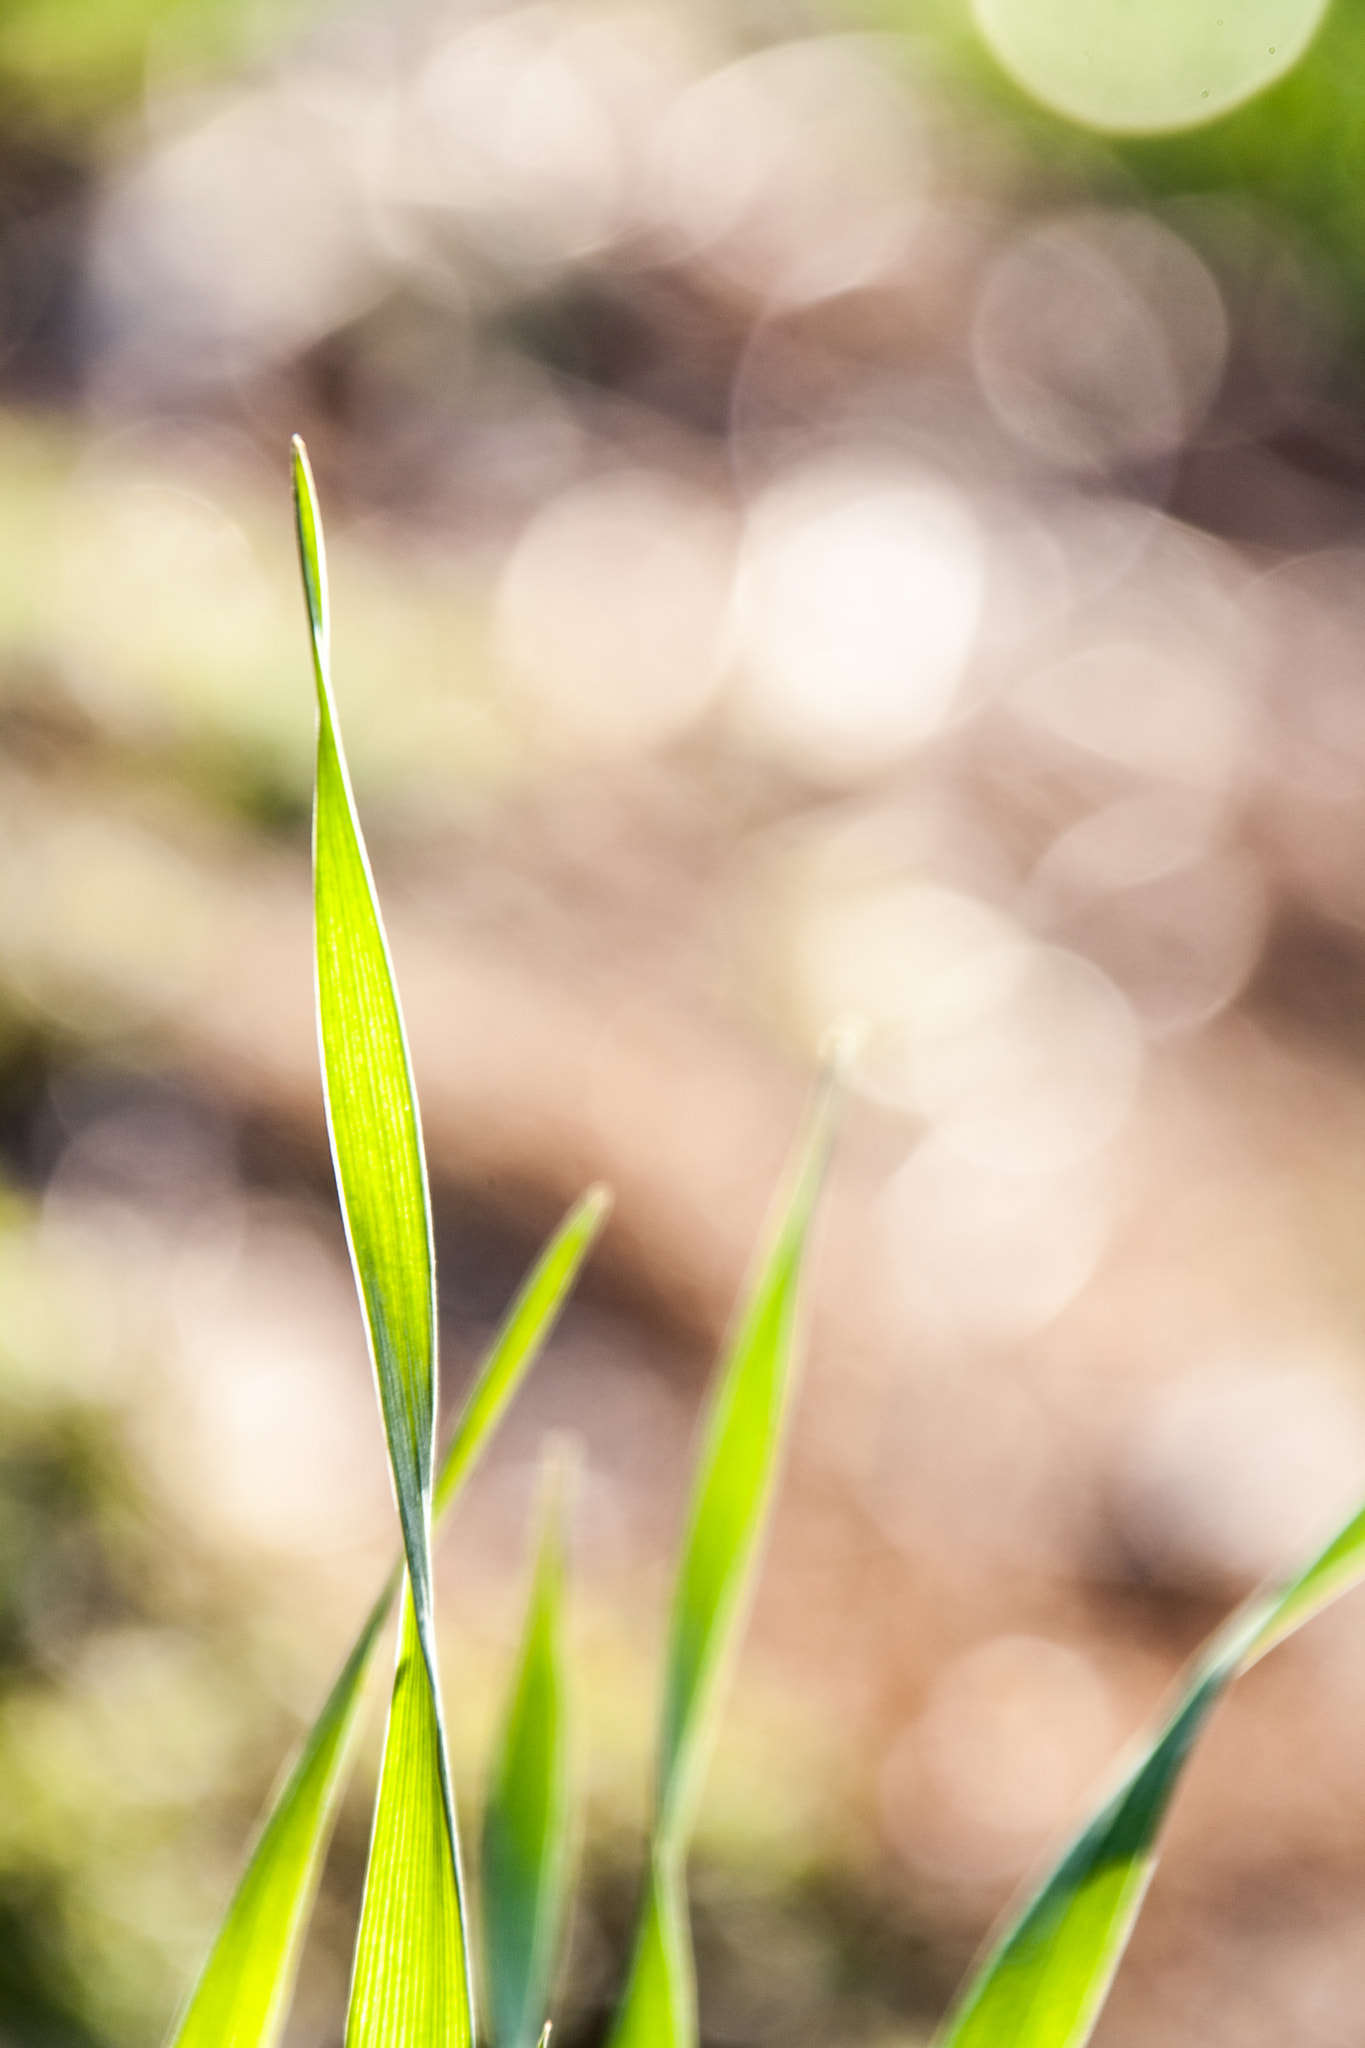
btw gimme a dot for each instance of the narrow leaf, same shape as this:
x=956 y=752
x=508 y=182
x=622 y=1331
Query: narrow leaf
x=371 y=1103
x=410 y=1985
x=732 y=1490
x=412 y=1947
x=524 y=1866
x=1043 y=1982
x=524 y=1329
x=660 y=2009
x=242 y=1995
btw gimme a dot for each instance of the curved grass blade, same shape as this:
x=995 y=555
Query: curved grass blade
x=241 y=1997
x=525 y=1861
x=732 y=1490
x=1044 y=1980
x=413 y=1945
x=372 y=1112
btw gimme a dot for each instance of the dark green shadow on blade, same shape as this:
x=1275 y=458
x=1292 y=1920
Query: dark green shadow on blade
x=732 y=1491
x=524 y=1864
x=1044 y=1980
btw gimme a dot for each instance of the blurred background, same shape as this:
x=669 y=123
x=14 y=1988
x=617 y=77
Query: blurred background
x=835 y=505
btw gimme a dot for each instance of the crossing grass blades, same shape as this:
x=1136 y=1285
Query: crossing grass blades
x=416 y=1979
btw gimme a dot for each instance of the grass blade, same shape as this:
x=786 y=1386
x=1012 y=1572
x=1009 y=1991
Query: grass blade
x=412 y=1954
x=525 y=1858
x=660 y=2006
x=732 y=1490
x=1044 y=1980
x=524 y=1329
x=242 y=1994
x=372 y=1112
x=410 y=1984
x=740 y=1449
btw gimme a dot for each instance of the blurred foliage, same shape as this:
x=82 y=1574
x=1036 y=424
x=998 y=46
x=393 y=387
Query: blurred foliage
x=76 y=62
x=1296 y=149
x=121 y=717
x=87 y=1607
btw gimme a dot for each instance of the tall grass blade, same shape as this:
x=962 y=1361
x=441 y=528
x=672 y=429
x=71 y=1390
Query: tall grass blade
x=525 y=1861
x=1044 y=1980
x=242 y=1994
x=412 y=1948
x=371 y=1103
x=732 y=1489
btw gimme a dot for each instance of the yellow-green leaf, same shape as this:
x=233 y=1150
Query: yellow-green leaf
x=524 y=1329
x=660 y=2007
x=524 y=1864
x=740 y=1449
x=732 y=1489
x=242 y=1994
x=411 y=1954
x=410 y=1985
x=1044 y=1980
x=371 y=1103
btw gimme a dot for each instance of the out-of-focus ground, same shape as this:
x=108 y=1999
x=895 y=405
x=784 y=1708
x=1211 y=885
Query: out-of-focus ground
x=812 y=532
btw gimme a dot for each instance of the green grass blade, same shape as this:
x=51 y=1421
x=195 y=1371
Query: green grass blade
x=242 y=1995
x=411 y=1981
x=410 y=1984
x=524 y=1329
x=525 y=1861
x=1044 y=1980
x=371 y=1103
x=732 y=1490
x=660 y=2008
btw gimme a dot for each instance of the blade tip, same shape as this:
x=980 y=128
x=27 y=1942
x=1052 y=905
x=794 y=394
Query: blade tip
x=301 y=470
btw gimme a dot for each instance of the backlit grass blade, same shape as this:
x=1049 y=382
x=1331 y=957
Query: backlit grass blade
x=410 y=1983
x=1044 y=1980
x=242 y=1994
x=371 y=1103
x=732 y=1489
x=524 y=1329
x=524 y=1866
